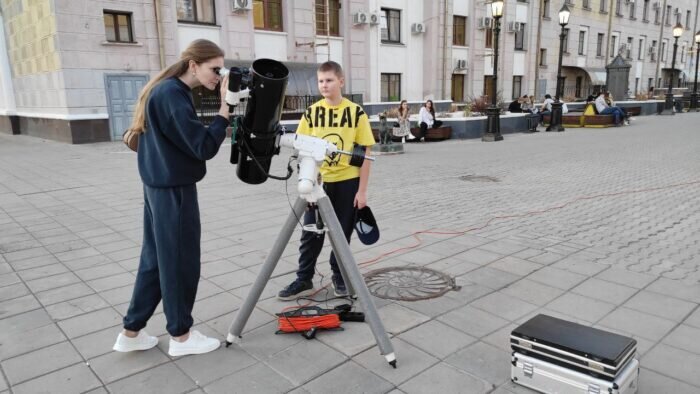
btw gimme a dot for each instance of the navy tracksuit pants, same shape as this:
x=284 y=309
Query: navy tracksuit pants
x=170 y=259
x=342 y=196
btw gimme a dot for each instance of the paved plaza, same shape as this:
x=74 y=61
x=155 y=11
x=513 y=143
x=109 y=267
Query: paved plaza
x=597 y=226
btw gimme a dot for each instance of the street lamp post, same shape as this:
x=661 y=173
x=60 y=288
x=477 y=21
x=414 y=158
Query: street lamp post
x=555 y=123
x=493 y=113
x=694 y=96
x=668 y=106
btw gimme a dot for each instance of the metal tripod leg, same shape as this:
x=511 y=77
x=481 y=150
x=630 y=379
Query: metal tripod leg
x=268 y=266
x=347 y=261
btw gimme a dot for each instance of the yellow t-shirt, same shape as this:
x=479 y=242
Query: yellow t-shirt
x=344 y=125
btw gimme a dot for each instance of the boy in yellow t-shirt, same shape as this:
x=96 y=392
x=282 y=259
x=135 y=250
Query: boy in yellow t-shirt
x=344 y=123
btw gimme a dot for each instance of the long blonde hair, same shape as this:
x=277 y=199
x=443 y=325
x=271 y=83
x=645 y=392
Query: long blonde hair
x=199 y=51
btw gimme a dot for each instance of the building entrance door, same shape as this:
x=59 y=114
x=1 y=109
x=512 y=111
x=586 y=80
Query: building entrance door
x=122 y=92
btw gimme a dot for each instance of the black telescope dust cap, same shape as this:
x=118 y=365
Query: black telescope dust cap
x=366 y=226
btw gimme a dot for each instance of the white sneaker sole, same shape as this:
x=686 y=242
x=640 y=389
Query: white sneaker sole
x=142 y=346
x=202 y=350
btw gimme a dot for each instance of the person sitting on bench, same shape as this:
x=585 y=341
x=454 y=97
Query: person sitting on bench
x=426 y=118
x=604 y=109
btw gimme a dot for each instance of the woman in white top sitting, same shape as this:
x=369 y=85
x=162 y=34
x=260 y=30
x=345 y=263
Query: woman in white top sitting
x=426 y=118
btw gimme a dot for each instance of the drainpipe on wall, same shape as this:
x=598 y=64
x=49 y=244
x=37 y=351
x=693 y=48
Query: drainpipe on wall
x=159 y=32
x=444 y=52
x=537 y=53
x=607 y=43
x=661 y=38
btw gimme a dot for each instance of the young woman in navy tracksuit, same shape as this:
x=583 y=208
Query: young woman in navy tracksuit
x=173 y=148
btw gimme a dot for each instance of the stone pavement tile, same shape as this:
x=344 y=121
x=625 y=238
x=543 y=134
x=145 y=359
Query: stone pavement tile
x=100 y=271
x=9 y=279
x=527 y=253
x=504 y=246
x=684 y=337
x=28 y=339
x=489 y=277
x=473 y=321
x=652 y=382
x=90 y=322
x=77 y=306
x=479 y=256
x=13 y=291
x=116 y=365
x=511 y=388
x=469 y=240
x=419 y=257
x=41 y=272
x=579 y=266
x=515 y=265
x=257 y=319
x=99 y=390
x=348 y=378
x=581 y=306
x=484 y=361
x=40 y=362
x=354 y=339
x=604 y=291
x=33 y=262
x=233 y=280
x=661 y=305
x=638 y=323
x=410 y=361
x=209 y=367
x=206 y=289
x=165 y=378
x=453 y=266
x=215 y=306
x=678 y=289
x=556 y=277
x=263 y=343
x=398 y=319
x=5 y=268
x=3 y=385
x=694 y=319
x=18 y=305
x=74 y=379
x=52 y=282
x=432 y=307
x=112 y=282
x=60 y=294
x=258 y=378
x=437 y=339
x=443 y=378
x=673 y=362
x=98 y=342
x=89 y=262
x=503 y=305
x=219 y=267
x=547 y=258
x=501 y=338
x=119 y=295
x=533 y=292
x=306 y=360
x=24 y=254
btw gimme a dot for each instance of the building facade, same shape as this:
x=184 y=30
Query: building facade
x=71 y=70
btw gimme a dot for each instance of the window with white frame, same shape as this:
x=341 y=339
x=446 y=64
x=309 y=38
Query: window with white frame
x=520 y=38
x=391 y=25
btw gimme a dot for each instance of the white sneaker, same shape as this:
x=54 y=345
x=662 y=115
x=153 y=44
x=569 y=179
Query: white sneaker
x=411 y=136
x=142 y=341
x=195 y=344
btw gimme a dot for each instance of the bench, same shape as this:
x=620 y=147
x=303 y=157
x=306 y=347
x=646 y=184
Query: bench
x=567 y=120
x=591 y=118
x=436 y=134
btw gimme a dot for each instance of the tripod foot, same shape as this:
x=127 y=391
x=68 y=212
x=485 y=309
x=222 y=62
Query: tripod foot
x=231 y=339
x=391 y=359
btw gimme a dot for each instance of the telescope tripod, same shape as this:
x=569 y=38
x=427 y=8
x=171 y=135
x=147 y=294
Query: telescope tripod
x=346 y=263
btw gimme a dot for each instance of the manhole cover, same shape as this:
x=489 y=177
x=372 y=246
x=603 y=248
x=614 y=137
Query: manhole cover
x=478 y=178
x=408 y=283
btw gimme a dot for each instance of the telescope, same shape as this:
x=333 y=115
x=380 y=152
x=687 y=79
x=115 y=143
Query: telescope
x=256 y=134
